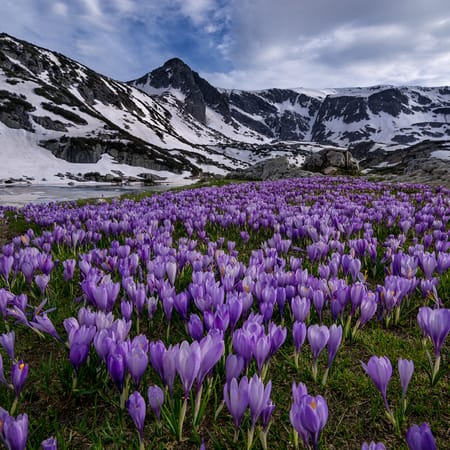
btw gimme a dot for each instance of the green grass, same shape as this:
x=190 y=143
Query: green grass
x=89 y=417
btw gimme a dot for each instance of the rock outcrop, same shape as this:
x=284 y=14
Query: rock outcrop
x=332 y=161
x=270 y=169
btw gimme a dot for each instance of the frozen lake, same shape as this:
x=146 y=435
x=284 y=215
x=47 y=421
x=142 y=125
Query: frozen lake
x=21 y=195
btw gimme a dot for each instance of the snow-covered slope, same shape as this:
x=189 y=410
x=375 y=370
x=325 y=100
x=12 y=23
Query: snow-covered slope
x=383 y=114
x=52 y=108
x=59 y=120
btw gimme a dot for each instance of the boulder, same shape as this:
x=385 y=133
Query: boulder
x=270 y=169
x=332 y=161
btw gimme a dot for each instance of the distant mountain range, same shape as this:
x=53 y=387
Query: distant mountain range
x=172 y=121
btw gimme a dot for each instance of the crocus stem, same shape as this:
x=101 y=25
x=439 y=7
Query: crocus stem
x=219 y=409
x=264 y=369
x=74 y=381
x=325 y=376
x=14 y=406
x=198 y=399
x=397 y=315
x=124 y=394
x=347 y=326
x=437 y=364
x=296 y=355
x=236 y=436
x=263 y=439
x=137 y=324
x=251 y=433
x=314 y=370
x=392 y=419
x=141 y=443
x=355 y=329
x=181 y=419
x=403 y=412
x=168 y=331
x=387 y=320
x=295 y=439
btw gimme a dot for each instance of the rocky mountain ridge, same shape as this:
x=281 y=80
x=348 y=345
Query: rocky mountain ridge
x=383 y=114
x=173 y=124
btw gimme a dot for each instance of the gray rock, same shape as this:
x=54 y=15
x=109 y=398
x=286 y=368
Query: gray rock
x=332 y=161
x=270 y=169
x=49 y=124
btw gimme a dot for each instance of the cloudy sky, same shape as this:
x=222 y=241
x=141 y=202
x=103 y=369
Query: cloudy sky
x=247 y=44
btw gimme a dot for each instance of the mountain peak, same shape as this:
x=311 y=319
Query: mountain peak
x=175 y=63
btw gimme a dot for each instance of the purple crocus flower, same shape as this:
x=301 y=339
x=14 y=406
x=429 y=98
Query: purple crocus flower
x=420 y=438
x=155 y=399
x=236 y=398
x=261 y=351
x=116 y=368
x=103 y=343
x=69 y=269
x=405 y=370
x=334 y=342
x=181 y=304
x=195 y=327
x=137 y=409
x=171 y=270
x=79 y=342
x=86 y=317
x=42 y=281
x=380 y=370
x=211 y=350
x=435 y=323
x=188 y=364
x=14 y=431
x=298 y=392
x=266 y=415
x=310 y=416
x=277 y=335
x=126 y=309
x=19 y=373
x=234 y=365
x=7 y=342
x=373 y=446
x=300 y=307
x=318 y=301
x=137 y=362
x=6 y=263
x=318 y=337
x=44 y=324
x=258 y=397
x=2 y=373
x=368 y=308
x=428 y=263
x=299 y=335
x=49 y=444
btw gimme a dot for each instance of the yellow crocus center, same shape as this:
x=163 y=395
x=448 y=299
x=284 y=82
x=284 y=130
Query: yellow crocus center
x=21 y=366
x=313 y=404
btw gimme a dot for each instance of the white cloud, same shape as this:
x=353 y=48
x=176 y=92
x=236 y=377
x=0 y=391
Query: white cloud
x=197 y=10
x=60 y=9
x=261 y=43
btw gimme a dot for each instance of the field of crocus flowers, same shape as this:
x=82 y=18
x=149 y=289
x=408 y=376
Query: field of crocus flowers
x=308 y=313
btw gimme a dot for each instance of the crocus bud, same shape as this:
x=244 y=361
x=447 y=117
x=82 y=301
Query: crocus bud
x=420 y=438
x=19 y=373
x=155 y=400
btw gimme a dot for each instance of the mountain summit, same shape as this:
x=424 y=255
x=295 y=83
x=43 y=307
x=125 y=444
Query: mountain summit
x=172 y=123
x=344 y=116
x=195 y=92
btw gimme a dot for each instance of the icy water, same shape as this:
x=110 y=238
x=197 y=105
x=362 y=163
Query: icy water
x=21 y=195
